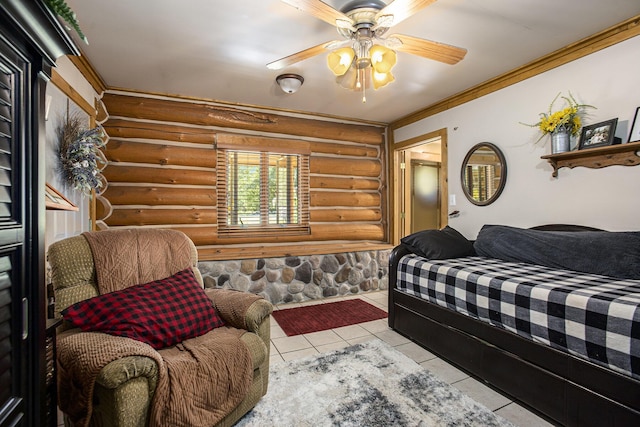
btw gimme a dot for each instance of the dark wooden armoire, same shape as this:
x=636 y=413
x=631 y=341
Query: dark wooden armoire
x=31 y=39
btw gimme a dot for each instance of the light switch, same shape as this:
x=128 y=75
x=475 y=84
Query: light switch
x=452 y=199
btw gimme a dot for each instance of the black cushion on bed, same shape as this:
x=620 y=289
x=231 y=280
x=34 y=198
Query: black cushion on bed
x=613 y=254
x=438 y=244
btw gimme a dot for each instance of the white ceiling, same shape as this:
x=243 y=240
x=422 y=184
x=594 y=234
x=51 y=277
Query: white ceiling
x=218 y=49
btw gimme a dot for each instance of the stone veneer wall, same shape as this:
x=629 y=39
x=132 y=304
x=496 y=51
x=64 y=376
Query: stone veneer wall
x=300 y=278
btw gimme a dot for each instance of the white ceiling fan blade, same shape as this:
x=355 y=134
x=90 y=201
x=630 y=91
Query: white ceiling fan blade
x=300 y=56
x=429 y=49
x=402 y=9
x=322 y=11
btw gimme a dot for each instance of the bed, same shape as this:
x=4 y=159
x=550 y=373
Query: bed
x=563 y=342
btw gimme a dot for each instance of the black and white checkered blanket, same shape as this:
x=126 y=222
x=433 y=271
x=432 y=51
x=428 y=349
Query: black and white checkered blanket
x=590 y=316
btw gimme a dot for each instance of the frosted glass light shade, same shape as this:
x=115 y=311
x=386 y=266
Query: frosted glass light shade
x=381 y=79
x=340 y=60
x=382 y=59
x=289 y=83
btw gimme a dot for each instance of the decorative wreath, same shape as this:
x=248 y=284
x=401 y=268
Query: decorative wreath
x=80 y=157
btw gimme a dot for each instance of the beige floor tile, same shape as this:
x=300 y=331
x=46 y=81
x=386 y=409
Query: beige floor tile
x=332 y=346
x=360 y=340
x=376 y=325
x=299 y=354
x=288 y=344
x=392 y=337
x=275 y=358
x=380 y=305
x=482 y=393
x=380 y=296
x=520 y=416
x=415 y=352
x=443 y=370
x=322 y=338
x=286 y=305
x=352 y=331
x=276 y=330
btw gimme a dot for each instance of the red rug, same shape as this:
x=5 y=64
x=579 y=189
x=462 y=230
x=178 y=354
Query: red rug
x=320 y=317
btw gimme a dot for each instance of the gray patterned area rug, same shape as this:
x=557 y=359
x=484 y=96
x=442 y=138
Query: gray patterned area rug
x=369 y=384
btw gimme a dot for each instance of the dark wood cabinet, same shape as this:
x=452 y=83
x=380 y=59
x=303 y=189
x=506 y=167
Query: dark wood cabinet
x=51 y=373
x=31 y=39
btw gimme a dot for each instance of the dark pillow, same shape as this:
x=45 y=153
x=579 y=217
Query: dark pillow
x=160 y=313
x=438 y=244
x=613 y=254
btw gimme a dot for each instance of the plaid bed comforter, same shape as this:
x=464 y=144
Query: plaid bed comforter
x=590 y=316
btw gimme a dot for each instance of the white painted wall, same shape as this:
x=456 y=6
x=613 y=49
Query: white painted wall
x=607 y=198
x=61 y=224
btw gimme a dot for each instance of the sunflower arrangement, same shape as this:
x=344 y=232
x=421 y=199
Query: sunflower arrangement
x=80 y=156
x=568 y=119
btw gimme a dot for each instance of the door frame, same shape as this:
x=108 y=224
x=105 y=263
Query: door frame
x=394 y=170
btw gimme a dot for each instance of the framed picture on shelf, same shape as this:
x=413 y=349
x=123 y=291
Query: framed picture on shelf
x=635 y=127
x=598 y=135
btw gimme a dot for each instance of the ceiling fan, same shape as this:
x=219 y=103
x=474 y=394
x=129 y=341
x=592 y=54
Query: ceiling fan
x=364 y=56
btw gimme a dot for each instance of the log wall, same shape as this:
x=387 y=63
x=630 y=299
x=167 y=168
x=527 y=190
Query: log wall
x=161 y=170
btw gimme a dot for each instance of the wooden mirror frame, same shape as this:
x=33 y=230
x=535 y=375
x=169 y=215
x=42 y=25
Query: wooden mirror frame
x=503 y=174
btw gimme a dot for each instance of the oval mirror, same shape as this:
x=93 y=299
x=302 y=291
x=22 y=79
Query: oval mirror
x=484 y=173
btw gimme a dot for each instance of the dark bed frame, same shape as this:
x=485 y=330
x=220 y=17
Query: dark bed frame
x=562 y=388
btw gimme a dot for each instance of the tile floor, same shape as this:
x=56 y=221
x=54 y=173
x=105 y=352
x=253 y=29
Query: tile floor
x=285 y=348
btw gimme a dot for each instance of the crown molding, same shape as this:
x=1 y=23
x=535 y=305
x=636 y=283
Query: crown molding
x=89 y=72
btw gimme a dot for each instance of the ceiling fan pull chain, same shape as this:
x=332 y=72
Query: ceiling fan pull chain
x=364 y=85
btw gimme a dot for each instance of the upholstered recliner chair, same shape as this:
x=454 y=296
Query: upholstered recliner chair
x=110 y=379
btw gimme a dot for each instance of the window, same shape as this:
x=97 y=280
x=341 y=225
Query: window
x=262 y=193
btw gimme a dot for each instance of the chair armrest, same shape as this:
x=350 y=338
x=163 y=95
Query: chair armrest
x=241 y=310
x=82 y=356
x=127 y=368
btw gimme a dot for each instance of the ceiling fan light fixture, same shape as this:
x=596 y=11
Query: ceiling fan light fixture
x=381 y=79
x=382 y=58
x=363 y=23
x=340 y=60
x=289 y=83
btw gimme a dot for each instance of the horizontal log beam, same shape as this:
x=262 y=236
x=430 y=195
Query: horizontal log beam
x=338 y=183
x=158 y=196
x=345 y=215
x=230 y=117
x=121 y=173
x=344 y=198
x=159 y=154
x=208 y=235
x=140 y=217
x=343 y=149
x=341 y=166
x=123 y=128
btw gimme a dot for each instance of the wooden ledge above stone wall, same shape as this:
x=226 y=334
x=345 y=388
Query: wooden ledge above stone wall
x=237 y=252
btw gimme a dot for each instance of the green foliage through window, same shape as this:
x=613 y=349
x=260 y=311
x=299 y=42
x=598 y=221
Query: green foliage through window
x=262 y=189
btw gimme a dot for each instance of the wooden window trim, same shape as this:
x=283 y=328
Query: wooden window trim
x=266 y=145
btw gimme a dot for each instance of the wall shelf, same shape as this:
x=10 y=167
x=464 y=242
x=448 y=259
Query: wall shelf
x=596 y=158
x=54 y=200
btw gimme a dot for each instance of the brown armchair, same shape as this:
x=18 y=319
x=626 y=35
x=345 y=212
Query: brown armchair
x=124 y=388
